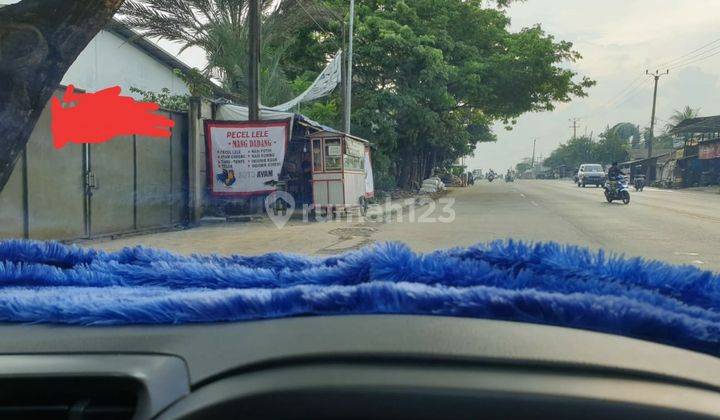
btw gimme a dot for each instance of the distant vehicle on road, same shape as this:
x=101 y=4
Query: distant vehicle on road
x=590 y=173
x=639 y=182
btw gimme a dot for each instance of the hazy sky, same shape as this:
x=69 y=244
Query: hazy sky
x=618 y=39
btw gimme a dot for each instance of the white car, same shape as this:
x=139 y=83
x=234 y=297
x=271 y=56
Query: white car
x=590 y=174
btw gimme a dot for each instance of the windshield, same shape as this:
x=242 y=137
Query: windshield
x=433 y=124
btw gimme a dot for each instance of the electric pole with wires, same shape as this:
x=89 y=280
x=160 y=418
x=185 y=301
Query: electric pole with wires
x=655 y=76
x=347 y=97
x=532 y=163
x=574 y=122
x=254 y=60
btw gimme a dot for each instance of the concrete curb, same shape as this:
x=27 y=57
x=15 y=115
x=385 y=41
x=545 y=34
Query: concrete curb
x=244 y=218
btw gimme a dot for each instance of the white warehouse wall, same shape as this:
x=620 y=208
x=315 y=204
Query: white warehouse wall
x=110 y=60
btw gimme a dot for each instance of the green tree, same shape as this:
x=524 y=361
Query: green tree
x=574 y=153
x=662 y=141
x=611 y=147
x=627 y=131
x=432 y=76
x=164 y=98
x=522 y=167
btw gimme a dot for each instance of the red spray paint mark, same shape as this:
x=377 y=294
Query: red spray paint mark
x=98 y=117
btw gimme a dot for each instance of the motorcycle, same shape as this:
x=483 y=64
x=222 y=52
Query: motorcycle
x=639 y=182
x=617 y=189
x=509 y=178
x=491 y=177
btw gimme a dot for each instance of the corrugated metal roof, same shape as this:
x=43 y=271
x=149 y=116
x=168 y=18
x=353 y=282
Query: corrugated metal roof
x=698 y=125
x=641 y=153
x=661 y=158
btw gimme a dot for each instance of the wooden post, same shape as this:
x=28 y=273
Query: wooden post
x=254 y=60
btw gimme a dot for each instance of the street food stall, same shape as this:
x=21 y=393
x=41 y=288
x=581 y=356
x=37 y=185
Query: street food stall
x=341 y=172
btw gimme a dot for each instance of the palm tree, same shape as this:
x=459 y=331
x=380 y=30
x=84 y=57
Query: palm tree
x=679 y=116
x=219 y=27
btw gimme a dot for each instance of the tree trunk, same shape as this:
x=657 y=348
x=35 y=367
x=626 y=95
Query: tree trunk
x=405 y=171
x=433 y=162
x=39 y=40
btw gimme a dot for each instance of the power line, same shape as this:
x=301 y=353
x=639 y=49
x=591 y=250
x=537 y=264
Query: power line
x=322 y=29
x=696 y=59
x=635 y=86
x=625 y=94
x=633 y=94
x=628 y=87
x=680 y=58
x=329 y=10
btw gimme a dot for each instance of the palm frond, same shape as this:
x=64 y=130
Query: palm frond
x=219 y=27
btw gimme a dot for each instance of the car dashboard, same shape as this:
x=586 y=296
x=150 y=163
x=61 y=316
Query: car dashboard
x=349 y=367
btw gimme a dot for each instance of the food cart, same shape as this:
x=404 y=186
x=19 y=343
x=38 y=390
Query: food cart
x=340 y=172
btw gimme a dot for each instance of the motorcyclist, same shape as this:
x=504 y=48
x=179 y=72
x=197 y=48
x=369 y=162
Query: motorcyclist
x=614 y=174
x=614 y=171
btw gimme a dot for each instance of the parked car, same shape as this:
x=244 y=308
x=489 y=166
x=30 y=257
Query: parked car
x=590 y=174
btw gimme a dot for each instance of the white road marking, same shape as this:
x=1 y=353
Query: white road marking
x=698 y=262
x=534 y=203
x=659 y=190
x=522 y=195
x=689 y=254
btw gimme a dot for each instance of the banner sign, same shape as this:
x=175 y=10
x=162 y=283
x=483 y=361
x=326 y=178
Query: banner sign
x=354 y=147
x=244 y=156
x=709 y=151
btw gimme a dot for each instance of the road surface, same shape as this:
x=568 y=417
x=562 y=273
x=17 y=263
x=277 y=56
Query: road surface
x=680 y=227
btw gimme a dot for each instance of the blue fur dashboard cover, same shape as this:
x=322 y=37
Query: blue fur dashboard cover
x=545 y=283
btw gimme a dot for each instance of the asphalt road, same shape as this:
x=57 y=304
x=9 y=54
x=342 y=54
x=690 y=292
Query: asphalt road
x=681 y=227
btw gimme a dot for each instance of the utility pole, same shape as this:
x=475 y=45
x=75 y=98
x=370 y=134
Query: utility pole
x=254 y=60
x=343 y=76
x=655 y=76
x=532 y=163
x=574 y=122
x=347 y=103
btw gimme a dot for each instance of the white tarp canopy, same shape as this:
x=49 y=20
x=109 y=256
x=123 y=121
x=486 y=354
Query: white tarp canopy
x=322 y=86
